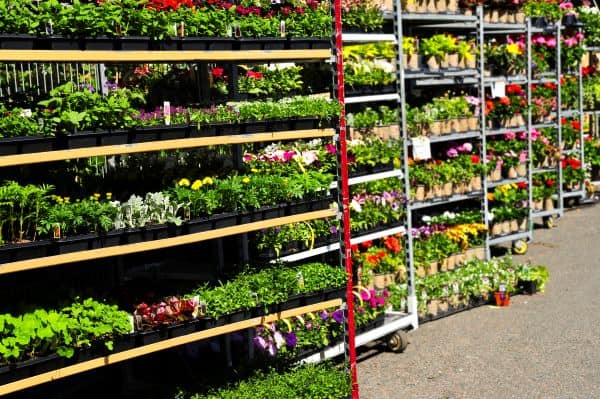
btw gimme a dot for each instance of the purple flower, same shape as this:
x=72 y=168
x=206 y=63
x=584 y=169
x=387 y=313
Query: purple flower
x=330 y=148
x=324 y=315
x=290 y=339
x=271 y=349
x=333 y=230
x=452 y=153
x=338 y=316
x=260 y=342
x=308 y=325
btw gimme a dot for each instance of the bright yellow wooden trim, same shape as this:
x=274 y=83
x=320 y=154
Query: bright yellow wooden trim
x=50 y=156
x=55 y=260
x=159 y=346
x=159 y=56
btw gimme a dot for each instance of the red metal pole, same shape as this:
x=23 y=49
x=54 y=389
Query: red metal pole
x=345 y=196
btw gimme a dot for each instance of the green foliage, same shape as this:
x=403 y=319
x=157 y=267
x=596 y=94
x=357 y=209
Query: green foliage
x=322 y=381
x=268 y=286
x=261 y=81
x=43 y=332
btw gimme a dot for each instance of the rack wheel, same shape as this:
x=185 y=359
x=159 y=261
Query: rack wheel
x=520 y=247
x=549 y=222
x=398 y=341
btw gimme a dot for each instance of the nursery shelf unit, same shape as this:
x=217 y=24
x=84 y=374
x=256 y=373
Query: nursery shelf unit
x=548 y=215
x=518 y=238
x=578 y=151
x=409 y=80
x=319 y=55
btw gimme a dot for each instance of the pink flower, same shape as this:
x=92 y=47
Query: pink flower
x=510 y=135
x=551 y=42
x=330 y=148
x=523 y=157
x=452 y=153
x=544 y=140
x=538 y=39
x=522 y=135
x=579 y=36
x=466 y=147
x=566 y=5
x=571 y=41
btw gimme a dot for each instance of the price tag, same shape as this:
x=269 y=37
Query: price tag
x=424 y=294
x=502 y=287
x=167 y=112
x=445 y=291
x=421 y=148
x=202 y=307
x=499 y=89
x=196 y=299
x=282 y=28
x=455 y=287
x=131 y=323
x=26 y=113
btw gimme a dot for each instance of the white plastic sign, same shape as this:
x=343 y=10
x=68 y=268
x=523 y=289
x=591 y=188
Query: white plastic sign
x=499 y=89
x=421 y=148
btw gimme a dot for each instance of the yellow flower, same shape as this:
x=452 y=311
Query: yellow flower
x=254 y=170
x=59 y=200
x=246 y=180
x=207 y=180
x=67 y=199
x=196 y=185
x=97 y=195
x=108 y=196
x=184 y=182
x=513 y=49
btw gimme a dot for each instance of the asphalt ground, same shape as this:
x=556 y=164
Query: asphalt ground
x=541 y=346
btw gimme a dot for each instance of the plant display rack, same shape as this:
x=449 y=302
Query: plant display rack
x=338 y=134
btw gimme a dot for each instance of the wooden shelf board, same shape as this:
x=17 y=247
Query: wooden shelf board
x=159 y=346
x=50 y=156
x=55 y=260
x=159 y=56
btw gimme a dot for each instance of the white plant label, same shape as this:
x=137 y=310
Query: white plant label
x=498 y=89
x=131 y=323
x=455 y=287
x=502 y=287
x=421 y=148
x=167 y=112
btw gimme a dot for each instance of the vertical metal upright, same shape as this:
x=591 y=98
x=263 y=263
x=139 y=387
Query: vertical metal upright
x=344 y=196
x=482 y=124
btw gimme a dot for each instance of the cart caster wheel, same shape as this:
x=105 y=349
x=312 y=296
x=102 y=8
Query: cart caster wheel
x=398 y=341
x=520 y=247
x=549 y=222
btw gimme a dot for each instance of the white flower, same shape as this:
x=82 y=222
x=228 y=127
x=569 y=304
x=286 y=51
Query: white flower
x=426 y=219
x=356 y=206
x=26 y=113
x=490 y=216
x=308 y=157
x=279 y=341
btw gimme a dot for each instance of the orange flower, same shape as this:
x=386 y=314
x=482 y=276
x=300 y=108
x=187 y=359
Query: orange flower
x=504 y=100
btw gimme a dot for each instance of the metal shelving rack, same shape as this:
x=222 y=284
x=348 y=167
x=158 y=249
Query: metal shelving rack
x=579 y=151
x=517 y=239
x=424 y=79
x=548 y=215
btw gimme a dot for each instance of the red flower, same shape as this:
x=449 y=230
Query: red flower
x=504 y=100
x=373 y=259
x=475 y=159
x=563 y=121
x=562 y=80
x=514 y=89
x=354 y=248
x=217 y=72
x=392 y=244
x=550 y=182
x=588 y=70
x=381 y=254
x=367 y=244
x=254 y=75
x=576 y=125
x=522 y=185
x=550 y=86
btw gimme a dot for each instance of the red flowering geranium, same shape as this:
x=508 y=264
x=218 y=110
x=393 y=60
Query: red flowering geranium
x=254 y=75
x=522 y=185
x=475 y=159
x=392 y=244
x=367 y=244
x=550 y=183
x=576 y=125
x=514 y=89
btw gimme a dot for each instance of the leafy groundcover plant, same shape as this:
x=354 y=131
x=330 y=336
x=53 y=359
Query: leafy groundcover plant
x=43 y=332
x=323 y=381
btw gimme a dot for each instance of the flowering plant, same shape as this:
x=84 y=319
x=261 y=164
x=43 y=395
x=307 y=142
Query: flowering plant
x=506 y=57
x=386 y=257
x=170 y=310
x=573 y=173
x=218 y=82
x=590 y=17
x=272 y=81
x=362 y=15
